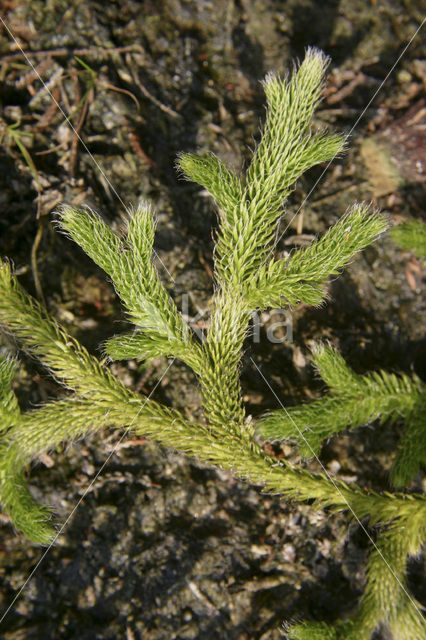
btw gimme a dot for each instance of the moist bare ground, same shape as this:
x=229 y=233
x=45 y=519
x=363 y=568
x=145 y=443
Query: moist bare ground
x=162 y=546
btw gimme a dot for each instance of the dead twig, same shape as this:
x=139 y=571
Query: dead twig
x=346 y=91
x=84 y=104
x=33 y=74
x=64 y=52
x=34 y=248
x=111 y=87
x=45 y=120
x=147 y=94
x=137 y=148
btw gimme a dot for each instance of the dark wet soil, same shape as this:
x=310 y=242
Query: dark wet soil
x=162 y=546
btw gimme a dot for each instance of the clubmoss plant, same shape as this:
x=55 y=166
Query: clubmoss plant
x=247 y=278
x=354 y=401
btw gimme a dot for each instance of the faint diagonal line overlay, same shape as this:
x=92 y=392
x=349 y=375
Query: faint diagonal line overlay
x=266 y=381
x=124 y=206
x=68 y=121
x=272 y=249
x=95 y=477
x=350 y=131
x=330 y=478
